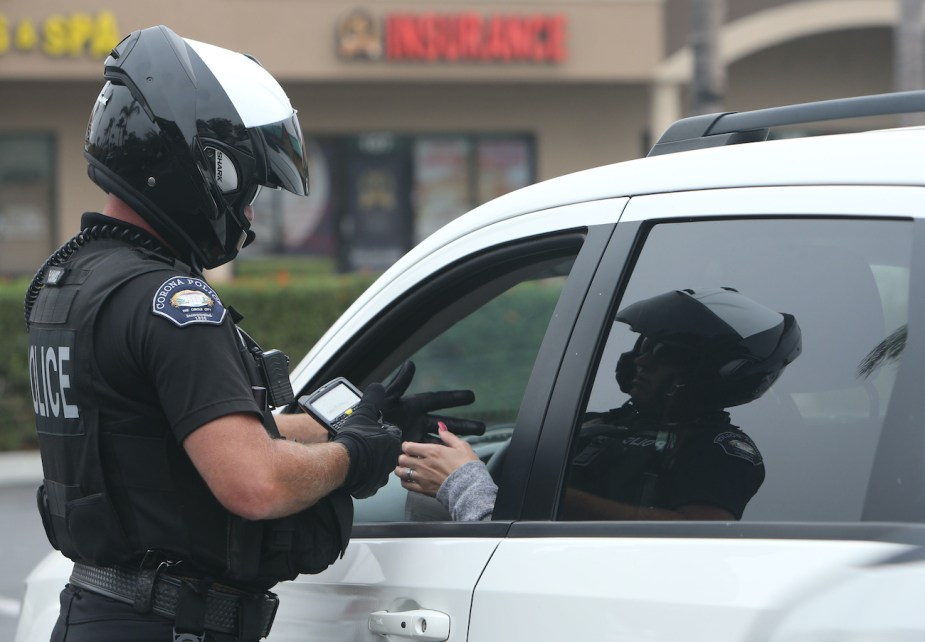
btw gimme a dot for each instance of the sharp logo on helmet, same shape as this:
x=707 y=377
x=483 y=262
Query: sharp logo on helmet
x=225 y=174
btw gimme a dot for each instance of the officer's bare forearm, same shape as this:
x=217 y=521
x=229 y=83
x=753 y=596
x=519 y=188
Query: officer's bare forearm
x=257 y=477
x=303 y=474
x=301 y=427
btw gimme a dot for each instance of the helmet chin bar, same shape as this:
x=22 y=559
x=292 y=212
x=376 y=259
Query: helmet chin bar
x=245 y=237
x=234 y=213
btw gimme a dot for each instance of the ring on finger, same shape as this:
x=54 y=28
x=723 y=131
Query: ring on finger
x=409 y=476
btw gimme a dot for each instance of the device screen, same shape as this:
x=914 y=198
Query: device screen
x=334 y=402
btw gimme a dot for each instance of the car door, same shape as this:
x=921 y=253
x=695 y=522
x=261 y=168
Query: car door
x=839 y=432
x=489 y=321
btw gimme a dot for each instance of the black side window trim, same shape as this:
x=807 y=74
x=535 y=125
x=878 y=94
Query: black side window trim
x=577 y=368
x=887 y=532
x=512 y=490
x=858 y=531
x=391 y=530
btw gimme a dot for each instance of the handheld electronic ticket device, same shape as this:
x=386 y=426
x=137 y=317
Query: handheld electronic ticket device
x=332 y=404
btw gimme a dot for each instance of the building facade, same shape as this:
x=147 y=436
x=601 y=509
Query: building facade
x=416 y=111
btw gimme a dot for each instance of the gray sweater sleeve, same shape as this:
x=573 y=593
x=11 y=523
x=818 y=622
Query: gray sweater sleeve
x=469 y=493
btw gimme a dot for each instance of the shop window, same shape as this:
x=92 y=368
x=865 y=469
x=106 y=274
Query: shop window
x=373 y=196
x=454 y=174
x=26 y=196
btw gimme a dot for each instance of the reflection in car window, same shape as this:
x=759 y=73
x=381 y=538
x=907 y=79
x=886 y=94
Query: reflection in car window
x=816 y=430
x=485 y=340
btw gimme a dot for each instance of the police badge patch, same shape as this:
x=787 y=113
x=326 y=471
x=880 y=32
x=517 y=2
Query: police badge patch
x=739 y=445
x=186 y=300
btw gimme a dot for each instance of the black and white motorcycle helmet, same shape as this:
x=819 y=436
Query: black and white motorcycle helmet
x=186 y=133
x=736 y=348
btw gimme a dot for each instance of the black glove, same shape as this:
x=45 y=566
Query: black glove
x=411 y=413
x=373 y=447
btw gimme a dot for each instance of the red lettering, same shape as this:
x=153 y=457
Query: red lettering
x=392 y=25
x=555 y=38
x=538 y=32
x=426 y=34
x=535 y=40
x=449 y=36
x=470 y=37
x=513 y=36
x=402 y=38
x=494 y=47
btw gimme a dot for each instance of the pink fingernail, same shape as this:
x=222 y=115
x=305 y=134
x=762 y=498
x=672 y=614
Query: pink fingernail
x=441 y=425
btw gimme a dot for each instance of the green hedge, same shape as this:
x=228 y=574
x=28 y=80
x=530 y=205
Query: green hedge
x=17 y=425
x=282 y=309
x=291 y=314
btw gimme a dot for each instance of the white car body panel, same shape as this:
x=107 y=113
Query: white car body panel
x=860 y=200
x=874 y=603
x=40 y=604
x=394 y=575
x=656 y=589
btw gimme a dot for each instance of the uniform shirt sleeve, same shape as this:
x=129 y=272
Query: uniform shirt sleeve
x=723 y=469
x=189 y=375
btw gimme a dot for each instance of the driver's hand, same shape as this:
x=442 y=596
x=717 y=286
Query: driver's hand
x=431 y=464
x=411 y=413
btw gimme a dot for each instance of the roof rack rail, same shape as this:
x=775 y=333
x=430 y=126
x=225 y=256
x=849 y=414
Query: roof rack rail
x=731 y=128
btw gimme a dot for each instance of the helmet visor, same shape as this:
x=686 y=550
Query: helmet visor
x=287 y=165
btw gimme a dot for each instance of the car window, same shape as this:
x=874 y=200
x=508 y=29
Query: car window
x=816 y=431
x=479 y=329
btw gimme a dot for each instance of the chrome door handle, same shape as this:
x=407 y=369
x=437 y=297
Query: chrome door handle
x=420 y=624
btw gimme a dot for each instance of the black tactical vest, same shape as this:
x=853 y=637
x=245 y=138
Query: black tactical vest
x=95 y=516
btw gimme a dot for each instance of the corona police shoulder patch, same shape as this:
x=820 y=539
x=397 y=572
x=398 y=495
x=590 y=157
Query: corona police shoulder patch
x=186 y=300
x=738 y=444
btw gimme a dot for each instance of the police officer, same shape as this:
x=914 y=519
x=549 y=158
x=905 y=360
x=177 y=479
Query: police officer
x=179 y=497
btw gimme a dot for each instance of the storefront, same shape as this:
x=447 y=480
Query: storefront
x=414 y=112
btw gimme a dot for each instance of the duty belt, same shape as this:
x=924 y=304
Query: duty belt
x=222 y=608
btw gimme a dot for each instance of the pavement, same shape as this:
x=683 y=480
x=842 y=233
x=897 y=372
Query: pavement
x=20 y=467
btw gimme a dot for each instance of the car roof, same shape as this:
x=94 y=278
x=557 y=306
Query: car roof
x=883 y=157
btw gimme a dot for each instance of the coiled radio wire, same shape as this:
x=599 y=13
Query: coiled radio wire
x=114 y=231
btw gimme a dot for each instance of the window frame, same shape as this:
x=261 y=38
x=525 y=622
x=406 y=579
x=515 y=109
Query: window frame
x=369 y=357
x=550 y=465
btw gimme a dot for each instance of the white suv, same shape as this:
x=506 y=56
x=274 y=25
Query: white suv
x=516 y=301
